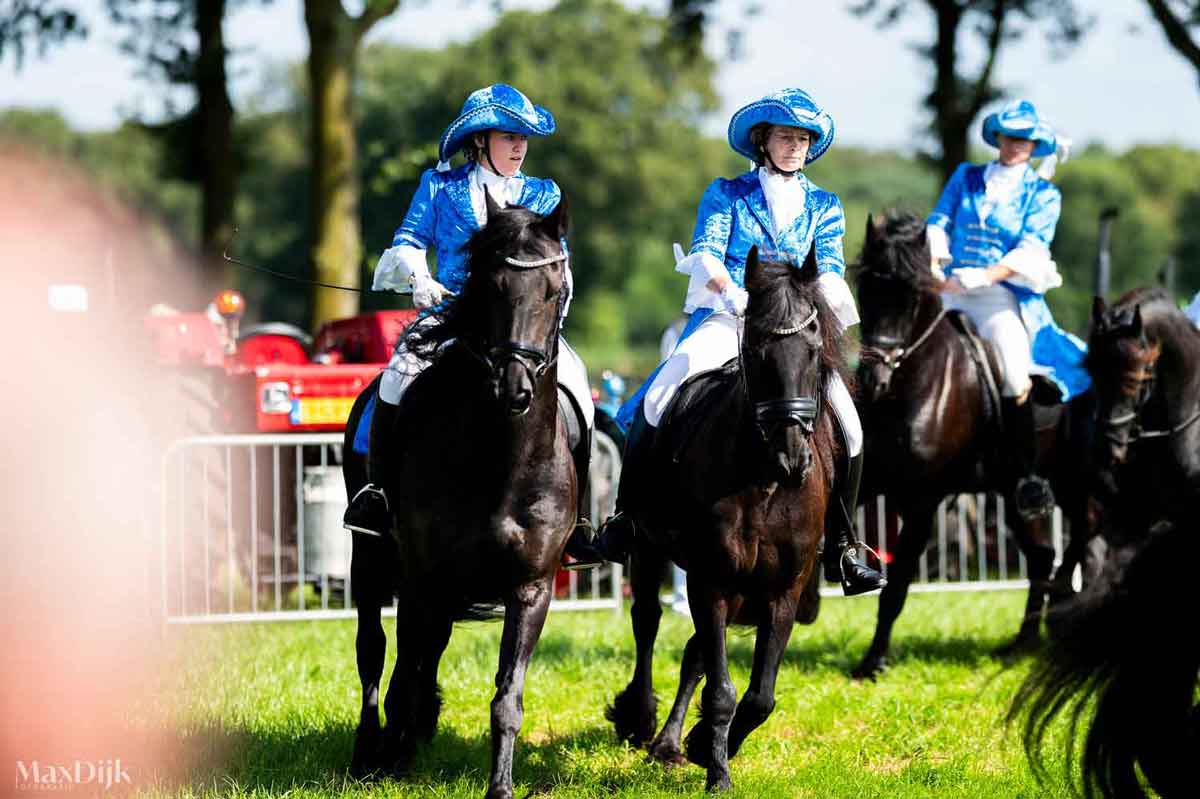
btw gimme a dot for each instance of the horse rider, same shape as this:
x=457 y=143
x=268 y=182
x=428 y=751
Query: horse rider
x=776 y=208
x=448 y=208
x=989 y=240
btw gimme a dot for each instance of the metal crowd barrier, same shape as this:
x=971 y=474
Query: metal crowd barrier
x=250 y=530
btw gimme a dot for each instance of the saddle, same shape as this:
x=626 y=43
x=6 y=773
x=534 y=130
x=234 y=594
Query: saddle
x=695 y=399
x=1046 y=396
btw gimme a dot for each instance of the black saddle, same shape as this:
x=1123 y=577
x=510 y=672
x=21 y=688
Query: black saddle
x=695 y=399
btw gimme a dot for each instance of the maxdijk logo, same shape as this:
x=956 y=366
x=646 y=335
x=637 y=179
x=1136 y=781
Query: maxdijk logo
x=39 y=776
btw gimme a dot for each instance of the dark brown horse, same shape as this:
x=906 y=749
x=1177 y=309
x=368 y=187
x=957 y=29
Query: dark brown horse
x=1122 y=666
x=484 y=493
x=1144 y=358
x=733 y=487
x=930 y=433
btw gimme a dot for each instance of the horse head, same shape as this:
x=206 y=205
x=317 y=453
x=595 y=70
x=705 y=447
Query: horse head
x=514 y=300
x=788 y=348
x=894 y=285
x=1122 y=357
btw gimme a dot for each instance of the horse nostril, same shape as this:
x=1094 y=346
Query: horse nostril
x=520 y=401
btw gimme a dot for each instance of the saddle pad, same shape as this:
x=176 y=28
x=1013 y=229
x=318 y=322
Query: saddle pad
x=694 y=400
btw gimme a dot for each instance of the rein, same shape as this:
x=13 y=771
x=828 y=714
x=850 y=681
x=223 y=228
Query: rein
x=893 y=358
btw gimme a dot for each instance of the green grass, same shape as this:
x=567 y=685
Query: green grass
x=282 y=701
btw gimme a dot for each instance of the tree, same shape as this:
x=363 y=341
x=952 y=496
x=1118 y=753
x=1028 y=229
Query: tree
x=160 y=34
x=334 y=38
x=1176 y=17
x=956 y=99
x=35 y=22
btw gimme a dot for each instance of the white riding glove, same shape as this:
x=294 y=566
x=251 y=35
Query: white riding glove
x=735 y=298
x=426 y=291
x=973 y=277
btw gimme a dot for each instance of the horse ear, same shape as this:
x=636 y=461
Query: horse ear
x=872 y=231
x=490 y=203
x=809 y=271
x=556 y=222
x=752 y=264
x=1136 y=323
x=1098 y=309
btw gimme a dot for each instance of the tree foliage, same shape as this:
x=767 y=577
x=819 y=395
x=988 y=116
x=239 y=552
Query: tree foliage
x=35 y=23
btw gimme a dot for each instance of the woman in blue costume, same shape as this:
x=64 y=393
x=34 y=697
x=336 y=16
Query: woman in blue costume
x=776 y=208
x=449 y=207
x=989 y=237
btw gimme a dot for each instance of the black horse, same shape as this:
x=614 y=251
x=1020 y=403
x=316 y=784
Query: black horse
x=931 y=429
x=484 y=492
x=1144 y=358
x=733 y=487
x=1120 y=664
x=1121 y=667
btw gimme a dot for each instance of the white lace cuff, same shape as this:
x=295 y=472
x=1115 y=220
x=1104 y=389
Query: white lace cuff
x=1032 y=267
x=397 y=268
x=841 y=301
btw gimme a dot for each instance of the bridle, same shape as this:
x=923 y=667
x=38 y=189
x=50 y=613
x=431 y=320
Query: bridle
x=1125 y=428
x=891 y=357
x=536 y=361
x=768 y=414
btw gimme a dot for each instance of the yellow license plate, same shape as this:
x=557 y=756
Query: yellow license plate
x=325 y=410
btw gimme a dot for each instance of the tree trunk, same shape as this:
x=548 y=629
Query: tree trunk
x=218 y=168
x=337 y=245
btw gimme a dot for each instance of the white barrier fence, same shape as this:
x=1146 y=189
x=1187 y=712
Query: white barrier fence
x=250 y=529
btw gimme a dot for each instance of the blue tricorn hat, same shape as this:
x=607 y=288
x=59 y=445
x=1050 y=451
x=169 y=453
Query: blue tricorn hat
x=792 y=107
x=1019 y=120
x=495 y=107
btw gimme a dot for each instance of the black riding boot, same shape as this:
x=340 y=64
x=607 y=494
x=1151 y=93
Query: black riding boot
x=1033 y=497
x=845 y=556
x=369 y=511
x=614 y=540
x=579 y=554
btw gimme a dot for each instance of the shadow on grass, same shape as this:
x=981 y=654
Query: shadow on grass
x=267 y=762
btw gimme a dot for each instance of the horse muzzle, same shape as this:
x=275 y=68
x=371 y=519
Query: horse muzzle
x=874 y=380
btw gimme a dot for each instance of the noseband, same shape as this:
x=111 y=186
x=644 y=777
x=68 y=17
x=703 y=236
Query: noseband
x=797 y=410
x=534 y=360
x=1144 y=380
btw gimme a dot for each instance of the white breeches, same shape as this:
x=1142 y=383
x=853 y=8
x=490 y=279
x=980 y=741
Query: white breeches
x=404 y=367
x=714 y=343
x=994 y=311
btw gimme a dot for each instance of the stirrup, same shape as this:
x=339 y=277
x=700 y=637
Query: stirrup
x=351 y=520
x=877 y=582
x=583 y=555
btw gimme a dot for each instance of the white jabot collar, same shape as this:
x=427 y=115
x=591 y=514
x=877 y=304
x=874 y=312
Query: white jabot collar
x=785 y=197
x=1001 y=183
x=504 y=191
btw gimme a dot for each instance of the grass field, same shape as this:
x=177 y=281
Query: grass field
x=282 y=701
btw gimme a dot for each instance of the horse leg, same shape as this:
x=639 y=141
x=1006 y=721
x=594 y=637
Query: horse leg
x=1039 y=560
x=665 y=746
x=913 y=540
x=401 y=701
x=524 y=615
x=634 y=711
x=708 y=742
x=429 y=695
x=370 y=644
x=758 y=701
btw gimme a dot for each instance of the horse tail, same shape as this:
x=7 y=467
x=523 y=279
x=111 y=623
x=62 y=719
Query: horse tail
x=1126 y=655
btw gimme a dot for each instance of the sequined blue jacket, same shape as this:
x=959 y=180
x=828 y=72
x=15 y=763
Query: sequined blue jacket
x=1030 y=213
x=734 y=217
x=442 y=219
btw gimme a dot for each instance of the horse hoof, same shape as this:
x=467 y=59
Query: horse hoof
x=499 y=793
x=1019 y=647
x=667 y=753
x=698 y=746
x=869 y=669
x=719 y=783
x=366 y=762
x=633 y=718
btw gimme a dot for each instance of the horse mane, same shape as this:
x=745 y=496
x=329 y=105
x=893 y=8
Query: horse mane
x=896 y=249
x=778 y=291
x=1161 y=319
x=507 y=230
